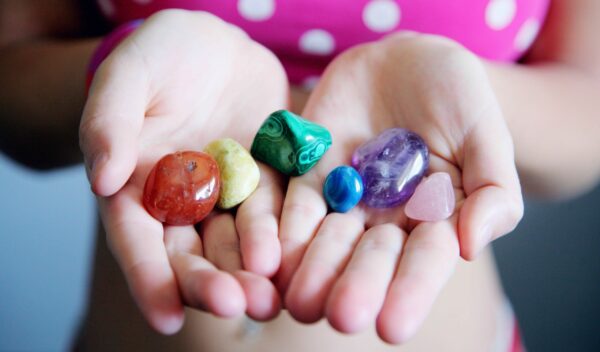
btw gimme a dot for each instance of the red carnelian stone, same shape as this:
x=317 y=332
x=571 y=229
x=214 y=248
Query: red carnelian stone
x=182 y=188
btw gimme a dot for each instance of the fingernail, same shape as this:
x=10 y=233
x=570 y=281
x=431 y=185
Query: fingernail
x=94 y=165
x=91 y=169
x=484 y=236
x=170 y=324
x=97 y=161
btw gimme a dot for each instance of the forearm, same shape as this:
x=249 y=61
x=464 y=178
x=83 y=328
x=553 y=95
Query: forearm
x=552 y=112
x=42 y=92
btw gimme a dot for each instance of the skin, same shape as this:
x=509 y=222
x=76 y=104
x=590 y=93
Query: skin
x=158 y=112
x=375 y=266
x=327 y=265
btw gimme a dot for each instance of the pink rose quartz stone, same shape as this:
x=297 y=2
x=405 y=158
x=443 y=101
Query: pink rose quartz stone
x=433 y=199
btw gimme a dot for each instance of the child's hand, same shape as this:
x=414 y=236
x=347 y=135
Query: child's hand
x=180 y=81
x=375 y=266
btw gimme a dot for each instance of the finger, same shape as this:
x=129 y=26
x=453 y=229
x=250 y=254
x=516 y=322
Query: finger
x=358 y=295
x=202 y=285
x=263 y=302
x=136 y=241
x=257 y=222
x=221 y=242
x=111 y=123
x=303 y=210
x=487 y=214
x=323 y=262
x=427 y=261
x=225 y=298
x=494 y=204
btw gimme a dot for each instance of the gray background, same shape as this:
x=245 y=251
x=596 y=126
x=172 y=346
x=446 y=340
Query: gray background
x=46 y=239
x=550 y=265
x=550 y=268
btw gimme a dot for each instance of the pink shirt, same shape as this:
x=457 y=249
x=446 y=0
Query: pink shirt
x=307 y=34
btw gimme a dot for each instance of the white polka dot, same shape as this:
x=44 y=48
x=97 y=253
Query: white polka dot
x=317 y=42
x=499 y=14
x=310 y=82
x=107 y=7
x=381 y=15
x=527 y=34
x=256 y=10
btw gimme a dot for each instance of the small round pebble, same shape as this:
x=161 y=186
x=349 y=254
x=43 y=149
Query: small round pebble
x=182 y=188
x=239 y=173
x=343 y=189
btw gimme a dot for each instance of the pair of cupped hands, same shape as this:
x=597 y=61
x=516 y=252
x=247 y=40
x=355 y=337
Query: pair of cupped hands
x=184 y=79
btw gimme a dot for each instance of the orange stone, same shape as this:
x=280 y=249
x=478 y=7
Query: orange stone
x=182 y=188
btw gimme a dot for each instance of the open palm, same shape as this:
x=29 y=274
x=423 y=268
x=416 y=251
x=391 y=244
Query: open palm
x=376 y=266
x=180 y=81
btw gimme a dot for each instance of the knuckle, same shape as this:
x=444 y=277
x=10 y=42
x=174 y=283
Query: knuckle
x=302 y=209
x=257 y=233
x=291 y=244
x=340 y=234
x=382 y=241
x=229 y=245
x=434 y=247
x=357 y=57
x=339 y=239
x=418 y=283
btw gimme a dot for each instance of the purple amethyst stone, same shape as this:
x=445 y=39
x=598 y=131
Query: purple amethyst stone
x=391 y=166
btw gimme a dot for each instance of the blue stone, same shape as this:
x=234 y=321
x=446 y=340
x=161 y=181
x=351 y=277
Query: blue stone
x=343 y=189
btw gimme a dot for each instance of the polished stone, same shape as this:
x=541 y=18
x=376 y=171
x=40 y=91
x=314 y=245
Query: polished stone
x=182 y=188
x=343 y=189
x=433 y=199
x=290 y=143
x=239 y=172
x=391 y=166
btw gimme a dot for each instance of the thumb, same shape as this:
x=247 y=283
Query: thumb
x=494 y=204
x=111 y=123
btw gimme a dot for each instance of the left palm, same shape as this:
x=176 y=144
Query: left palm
x=372 y=265
x=177 y=83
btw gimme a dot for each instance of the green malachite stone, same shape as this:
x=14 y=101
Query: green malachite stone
x=290 y=143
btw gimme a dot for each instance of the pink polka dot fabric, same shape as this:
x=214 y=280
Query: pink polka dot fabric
x=307 y=34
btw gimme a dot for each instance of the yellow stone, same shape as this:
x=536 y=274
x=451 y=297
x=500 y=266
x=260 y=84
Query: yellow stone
x=239 y=172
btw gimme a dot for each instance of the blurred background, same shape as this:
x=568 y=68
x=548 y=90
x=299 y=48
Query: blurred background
x=550 y=266
x=46 y=240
